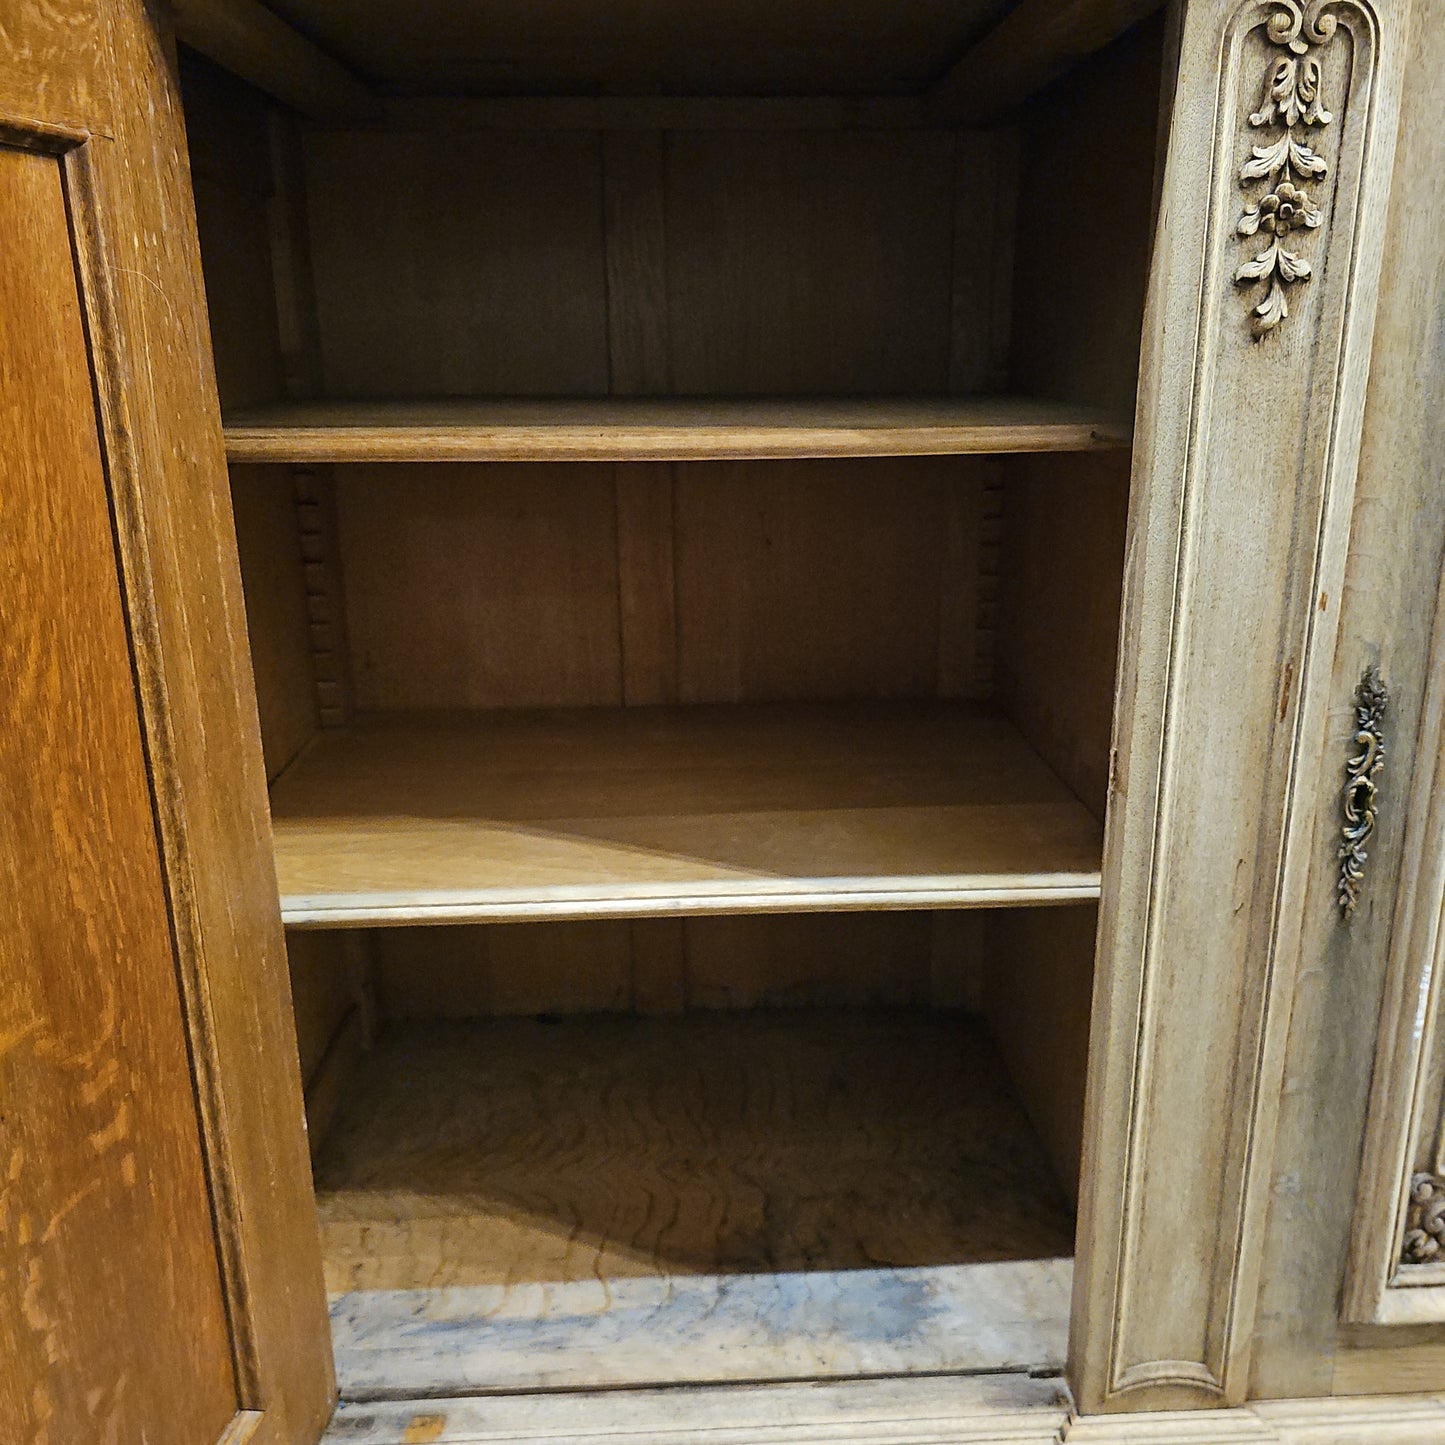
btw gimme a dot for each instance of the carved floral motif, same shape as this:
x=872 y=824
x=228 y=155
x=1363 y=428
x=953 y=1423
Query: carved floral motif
x=1292 y=102
x=1424 y=1221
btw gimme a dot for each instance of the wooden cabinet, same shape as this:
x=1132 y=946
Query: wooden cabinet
x=774 y=678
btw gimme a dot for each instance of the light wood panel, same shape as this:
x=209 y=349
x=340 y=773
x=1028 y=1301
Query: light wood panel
x=472 y=267
x=632 y=812
x=482 y=587
x=105 y=1208
x=516 y=1151
x=663 y=430
x=1060 y=568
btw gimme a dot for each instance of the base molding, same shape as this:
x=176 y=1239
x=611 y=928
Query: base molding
x=1369 y=1420
x=976 y=1410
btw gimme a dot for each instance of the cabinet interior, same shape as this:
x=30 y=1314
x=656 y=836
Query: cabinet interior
x=682 y=544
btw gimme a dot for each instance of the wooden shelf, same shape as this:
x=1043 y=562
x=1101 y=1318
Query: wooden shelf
x=627 y=429
x=592 y=813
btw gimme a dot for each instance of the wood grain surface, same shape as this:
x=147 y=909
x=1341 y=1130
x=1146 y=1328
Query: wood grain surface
x=629 y=812
x=105 y=1211
x=516 y=1151
x=624 y=429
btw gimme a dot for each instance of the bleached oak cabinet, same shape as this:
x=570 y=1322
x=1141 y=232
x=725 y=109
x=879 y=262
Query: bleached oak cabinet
x=722 y=722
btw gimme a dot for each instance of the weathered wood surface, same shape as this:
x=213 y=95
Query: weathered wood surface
x=607 y=1200
x=943 y=1410
x=702 y=1329
x=502 y=1152
x=1246 y=445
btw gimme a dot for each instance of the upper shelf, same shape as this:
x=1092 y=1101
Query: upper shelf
x=623 y=429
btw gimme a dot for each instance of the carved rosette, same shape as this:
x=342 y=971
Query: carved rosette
x=1283 y=209
x=1424 y=1221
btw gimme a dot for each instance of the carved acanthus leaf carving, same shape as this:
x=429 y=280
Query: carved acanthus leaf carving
x=1424 y=1221
x=1292 y=100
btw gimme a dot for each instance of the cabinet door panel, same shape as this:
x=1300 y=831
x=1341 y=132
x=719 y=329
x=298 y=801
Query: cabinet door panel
x=158 y=1241
x=106 y=1214
x=1256 y=352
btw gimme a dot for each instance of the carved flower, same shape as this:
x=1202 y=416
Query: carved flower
x=1285 y=209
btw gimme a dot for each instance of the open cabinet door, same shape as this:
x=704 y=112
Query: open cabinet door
x=159 y=1265
x=1252 y=390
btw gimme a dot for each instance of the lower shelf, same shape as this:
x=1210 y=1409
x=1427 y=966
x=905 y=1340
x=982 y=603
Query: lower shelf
x=517 y=1204
x=631 y=812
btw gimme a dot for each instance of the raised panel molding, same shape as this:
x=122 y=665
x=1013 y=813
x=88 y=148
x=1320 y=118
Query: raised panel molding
x=1256 y=354
x=1396 y=1270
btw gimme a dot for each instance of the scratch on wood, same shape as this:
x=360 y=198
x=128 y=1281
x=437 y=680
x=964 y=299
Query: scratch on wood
x=119 y=1128
x=58 y=1218
x=1285 y=690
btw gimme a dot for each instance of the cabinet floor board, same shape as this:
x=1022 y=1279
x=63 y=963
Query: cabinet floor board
x=517 y=1204
x=596 y=812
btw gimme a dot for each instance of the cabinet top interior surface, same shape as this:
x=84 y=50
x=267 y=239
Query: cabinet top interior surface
x=642 y=47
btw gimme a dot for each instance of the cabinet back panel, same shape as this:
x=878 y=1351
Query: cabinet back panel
x=277 y=625
x=227 y=136
x=1061 y=573
x=839 y=579
x=809 y=262
x=456 y=265
x=532 y=585
x=1083 y=261
x=481 y=585
x=454 y=262
x=664 y=965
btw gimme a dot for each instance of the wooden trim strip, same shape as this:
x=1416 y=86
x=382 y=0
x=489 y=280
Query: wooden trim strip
x=989 y=1410
x=246 y=38
x=680 y=429
x=1031 y=46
